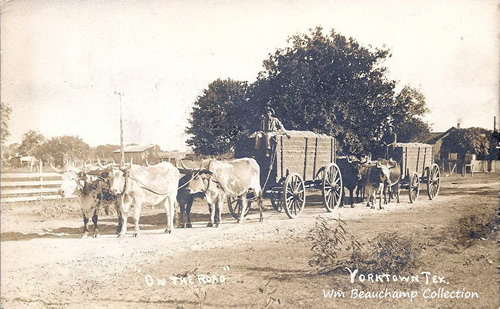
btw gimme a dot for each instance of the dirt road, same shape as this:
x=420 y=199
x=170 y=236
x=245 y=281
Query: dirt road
x=44 y=263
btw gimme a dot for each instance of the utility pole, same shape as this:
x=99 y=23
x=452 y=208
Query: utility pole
x=122 y=152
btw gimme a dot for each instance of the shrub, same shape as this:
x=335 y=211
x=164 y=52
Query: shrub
x=334 y=248
x=330 y=241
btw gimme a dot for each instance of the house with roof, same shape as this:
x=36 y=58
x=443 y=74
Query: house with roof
x=140 y=155
x=149 y=154
x=436 y=140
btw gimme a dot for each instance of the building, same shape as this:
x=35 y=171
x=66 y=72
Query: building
x=436 y=140
x=171 y=156
x=140 y=155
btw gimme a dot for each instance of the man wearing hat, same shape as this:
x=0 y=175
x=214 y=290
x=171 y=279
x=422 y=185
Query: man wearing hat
x=269 y=126
x=389 y=140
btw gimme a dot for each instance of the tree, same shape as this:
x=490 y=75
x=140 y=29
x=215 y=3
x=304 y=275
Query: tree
x=323 y=83
x=409 y=105
x=105 y=151
x=32 y=140
x=64 y=148
x=333 y=85
x=5 y=111
x=470 y=140
x=218 y=120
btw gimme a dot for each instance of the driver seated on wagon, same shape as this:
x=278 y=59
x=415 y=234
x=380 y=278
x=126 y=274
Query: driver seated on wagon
x=269 y=126
x=388 y=141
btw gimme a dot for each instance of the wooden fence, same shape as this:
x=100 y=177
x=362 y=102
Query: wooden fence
x=22 y=187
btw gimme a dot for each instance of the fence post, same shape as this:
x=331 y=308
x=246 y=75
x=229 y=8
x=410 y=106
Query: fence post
x=41 y=176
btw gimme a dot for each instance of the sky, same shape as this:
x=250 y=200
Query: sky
x=63 y=61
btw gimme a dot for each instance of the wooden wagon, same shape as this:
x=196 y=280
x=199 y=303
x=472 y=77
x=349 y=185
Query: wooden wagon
x=417 y=166
x=304 y=160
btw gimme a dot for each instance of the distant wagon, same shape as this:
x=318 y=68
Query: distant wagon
x=417 y=166
x=306 y=160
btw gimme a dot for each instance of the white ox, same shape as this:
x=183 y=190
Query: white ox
x=140 y=186
x=235 y=178
x=92 y=190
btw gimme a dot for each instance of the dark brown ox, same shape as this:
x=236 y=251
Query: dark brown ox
x=349 y=170
x=91 y=188
x=235 y=178
x=140 y=186
x=185 y=200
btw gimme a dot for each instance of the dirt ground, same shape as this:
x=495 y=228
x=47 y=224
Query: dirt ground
x=45 y=264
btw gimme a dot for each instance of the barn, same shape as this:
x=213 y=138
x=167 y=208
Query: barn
x=139 y=154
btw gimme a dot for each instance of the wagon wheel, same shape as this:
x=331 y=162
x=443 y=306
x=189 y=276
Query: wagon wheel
x=234 y=206
x=320 y=174
x=277 y=202
x=414 y=188
x=433 y=181
x=294 y=195
x=332 y=187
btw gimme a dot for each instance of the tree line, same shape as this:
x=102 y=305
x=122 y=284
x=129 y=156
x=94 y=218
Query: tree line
x=57 y=150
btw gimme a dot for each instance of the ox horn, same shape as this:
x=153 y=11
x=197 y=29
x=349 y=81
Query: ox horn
x=183 y=169
x=101 y=166
x=99 y=163
x=184 y=165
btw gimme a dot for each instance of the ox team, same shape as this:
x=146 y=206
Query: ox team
x=129 y=185
x=138 y=186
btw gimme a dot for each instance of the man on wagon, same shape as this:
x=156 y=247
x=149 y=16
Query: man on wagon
x=389 y=140
x=269 y=126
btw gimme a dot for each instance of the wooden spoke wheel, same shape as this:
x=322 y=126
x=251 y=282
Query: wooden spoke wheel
x=234 y=206
x=277 y=202
x=414 y=188
x=294 y=195
x=320 y=174
x=433 y=181
x=332 y=187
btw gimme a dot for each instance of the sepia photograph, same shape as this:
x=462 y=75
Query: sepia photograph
x=250 y=154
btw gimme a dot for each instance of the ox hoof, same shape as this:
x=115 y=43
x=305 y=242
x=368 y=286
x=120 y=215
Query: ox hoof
x=136 y=234
x=216 y=225
x=121 y=235
x=210 y=224
x=189 y=225
x=181 y=226
x=84 y=235
x=352 y=206
x=95 y=235
x=167 y=231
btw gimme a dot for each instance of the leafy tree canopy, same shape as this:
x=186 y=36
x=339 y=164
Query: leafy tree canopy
x=470 y=140
x=333 y=85
x=218 y=119
x=65 y=148
x=32 y=140
x=323 y=83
